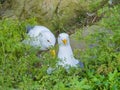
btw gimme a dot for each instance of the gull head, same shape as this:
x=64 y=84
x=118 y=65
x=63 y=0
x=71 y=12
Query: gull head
x=47 y=40
x=63 y=39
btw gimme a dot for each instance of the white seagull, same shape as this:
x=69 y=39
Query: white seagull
x=40 y=36
x=65 y=53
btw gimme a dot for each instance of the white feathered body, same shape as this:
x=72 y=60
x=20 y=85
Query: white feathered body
x=39 y=37
x=66 y=56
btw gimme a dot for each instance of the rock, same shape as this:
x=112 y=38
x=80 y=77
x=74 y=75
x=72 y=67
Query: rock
x=50 y=70
x=77 y=44
x=37 y=8
x=82 y=44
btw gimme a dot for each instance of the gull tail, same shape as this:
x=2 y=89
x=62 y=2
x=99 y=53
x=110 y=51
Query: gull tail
x=28 y=28
x=80 y=64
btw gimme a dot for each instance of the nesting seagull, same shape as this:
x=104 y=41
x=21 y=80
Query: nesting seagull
x=40 y=36
x=65 y=53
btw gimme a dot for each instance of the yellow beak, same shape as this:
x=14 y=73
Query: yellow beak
x=53 y=53
x=64 y=41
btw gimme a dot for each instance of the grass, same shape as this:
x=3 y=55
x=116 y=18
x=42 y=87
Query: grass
x=21 y=69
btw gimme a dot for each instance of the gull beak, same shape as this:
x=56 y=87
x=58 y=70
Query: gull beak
x=53 y=53
x=64 y=41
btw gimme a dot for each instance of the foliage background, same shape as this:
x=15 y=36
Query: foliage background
x=21 y=69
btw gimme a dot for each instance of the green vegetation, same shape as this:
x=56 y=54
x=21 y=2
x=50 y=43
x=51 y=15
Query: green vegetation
x=21 y=69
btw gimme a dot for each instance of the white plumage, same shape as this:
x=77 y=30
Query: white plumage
x=40 y=36
x=65 y=53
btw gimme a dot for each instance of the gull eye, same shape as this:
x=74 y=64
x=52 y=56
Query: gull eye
x=48 y=40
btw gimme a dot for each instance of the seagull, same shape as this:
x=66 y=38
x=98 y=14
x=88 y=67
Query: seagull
x=40 y=36
x=65 y=54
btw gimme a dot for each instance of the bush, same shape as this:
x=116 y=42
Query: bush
x=20 y=68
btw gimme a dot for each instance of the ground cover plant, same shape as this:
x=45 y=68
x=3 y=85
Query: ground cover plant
x=22 y=69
